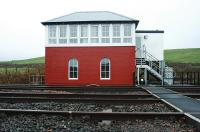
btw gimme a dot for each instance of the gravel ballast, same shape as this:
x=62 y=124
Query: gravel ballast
x=89 y=107
x=56 y=123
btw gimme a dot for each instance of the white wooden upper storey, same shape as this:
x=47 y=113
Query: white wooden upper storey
x=90 y=29
x=90 y=35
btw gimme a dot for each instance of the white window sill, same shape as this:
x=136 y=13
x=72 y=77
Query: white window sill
x=72 y=78
x=104 y=78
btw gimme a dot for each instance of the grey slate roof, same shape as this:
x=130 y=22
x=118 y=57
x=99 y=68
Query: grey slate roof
x=91 y=16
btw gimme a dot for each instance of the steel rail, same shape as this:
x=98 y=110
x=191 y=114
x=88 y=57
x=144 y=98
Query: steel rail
x=96 y=115
x=186 y=90
x=62 y=95
x=84 y=100
x=76 y=89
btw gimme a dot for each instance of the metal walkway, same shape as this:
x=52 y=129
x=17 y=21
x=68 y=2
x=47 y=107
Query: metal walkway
x=191 y=107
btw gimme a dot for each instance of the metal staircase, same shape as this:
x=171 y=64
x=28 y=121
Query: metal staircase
x=155 y=67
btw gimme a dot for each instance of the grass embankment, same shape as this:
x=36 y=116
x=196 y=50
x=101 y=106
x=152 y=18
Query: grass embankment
x=37 y=60
x=190 y=55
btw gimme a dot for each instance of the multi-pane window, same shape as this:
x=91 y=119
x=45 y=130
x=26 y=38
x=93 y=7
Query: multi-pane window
x=90 y=33
x=63 y=34
x=73 y=34
x=116 y=33
x=73 y=69
x=105 y=34
x=84 y=34
x=105 y=69
x=127 y=33
x=52 y=35
x=94 y=34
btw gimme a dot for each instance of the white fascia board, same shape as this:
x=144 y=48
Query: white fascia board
x=89 y=45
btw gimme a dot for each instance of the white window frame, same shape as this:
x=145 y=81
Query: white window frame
x=106 y=37
x=73 y=71
x=84 y=37
x=120 y=32
x=94 y=37
x=127 y=37
x=72 y=37
x=109 y=69
x=65 y=37
x=54 y=37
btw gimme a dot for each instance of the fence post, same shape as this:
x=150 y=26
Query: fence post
x=6 y=70
x=182 y=78
x=198 y=78
x=194 y=78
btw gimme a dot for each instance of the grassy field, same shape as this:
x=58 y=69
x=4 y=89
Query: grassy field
x=38 y=60
x=171 y=56
x=182 y=55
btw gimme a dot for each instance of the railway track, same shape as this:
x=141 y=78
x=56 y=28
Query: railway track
x=95 y=121
x=84 y=100
x=122 y=107
x=62 y=95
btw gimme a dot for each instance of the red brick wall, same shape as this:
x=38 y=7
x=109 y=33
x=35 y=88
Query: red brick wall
x=122 y=65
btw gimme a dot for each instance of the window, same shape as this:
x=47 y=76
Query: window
x=63 y=34
x=127 y=33
x=73 y=69
x=105 y=69
x=116 y=30
x=52 y=35
x=116 y=33
x=84 y=34
x=94 y=34
x=127 y=30
x=105 y=34
x=73 y=34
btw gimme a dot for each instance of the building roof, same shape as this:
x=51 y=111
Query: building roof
x=149 y=31
x=91 y=17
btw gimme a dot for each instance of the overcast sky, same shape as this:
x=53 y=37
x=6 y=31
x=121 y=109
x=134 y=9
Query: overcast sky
x=22 y=34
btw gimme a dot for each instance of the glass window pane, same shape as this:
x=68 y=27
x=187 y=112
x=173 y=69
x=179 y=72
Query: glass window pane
x=127 y=40
x=73 y=30
x=71 y=74
x=94 y=31
x=127 y=30
x=75 y=75
x=94 y=40
x=105 y=30
x=107 y=75
x=73 y=40
x=83 y=40
x=103 y=68
x=75 y=69
x=116 y=40
x=52 y=31
x=116 y=30
x=102 y=74
x=84 y=31
x=107 y=67
x=62 y=41
x=105 y=40
x=52 y=41
x=63 y=31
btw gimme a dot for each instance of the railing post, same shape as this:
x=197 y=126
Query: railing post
x=162 y=73
x=145 y=76
x=138 y=76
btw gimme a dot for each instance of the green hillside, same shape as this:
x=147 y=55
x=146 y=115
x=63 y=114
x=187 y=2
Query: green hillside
x=191 y=55
x=37 y=60
x=171 y=56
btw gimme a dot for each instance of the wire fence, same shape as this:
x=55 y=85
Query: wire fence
x=21 y=73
